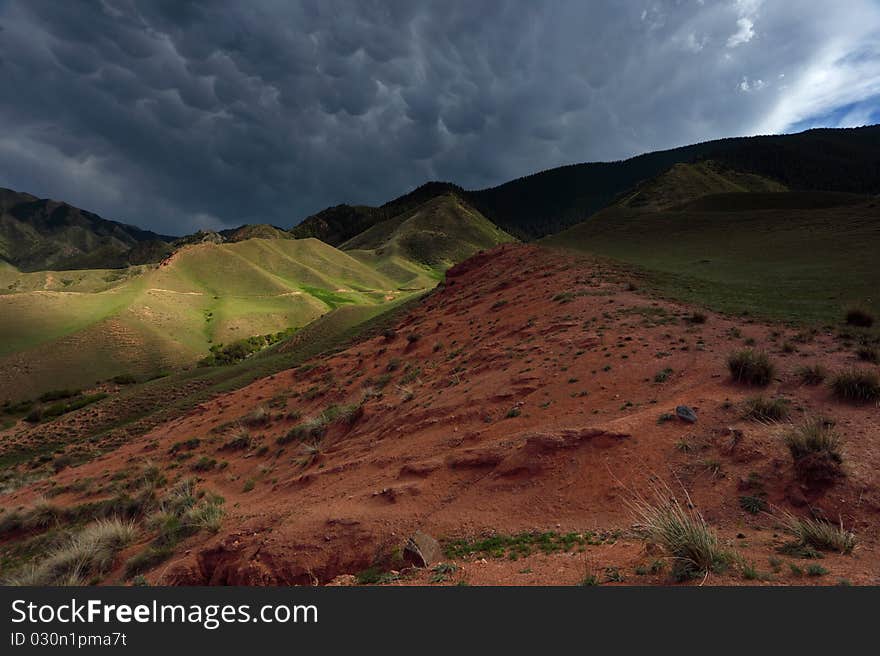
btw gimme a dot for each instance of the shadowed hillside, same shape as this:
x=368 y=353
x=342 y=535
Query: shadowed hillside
x=846 y=160
x=843 y=160
x=686 y=182
x=801 y=256
x=38 y=234
x=336 y=225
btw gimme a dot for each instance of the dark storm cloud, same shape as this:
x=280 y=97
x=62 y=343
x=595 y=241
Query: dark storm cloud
x=178 y=115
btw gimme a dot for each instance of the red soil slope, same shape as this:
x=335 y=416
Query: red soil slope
x=519 y=397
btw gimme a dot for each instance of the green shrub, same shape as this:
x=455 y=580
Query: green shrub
x=662 y=376
x=10 y=522
x=204 y=464
x=750 y=367
x=42 y=413
x=146 y=560
x=752 y=505
x=57 y=395
x=237 y=351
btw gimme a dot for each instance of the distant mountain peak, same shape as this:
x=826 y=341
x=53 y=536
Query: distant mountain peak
x=41 y=233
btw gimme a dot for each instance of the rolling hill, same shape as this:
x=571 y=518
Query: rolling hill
x=417 y=246
x=683 y=183
x=73 y=328
x=41 y=234
x=799 y=256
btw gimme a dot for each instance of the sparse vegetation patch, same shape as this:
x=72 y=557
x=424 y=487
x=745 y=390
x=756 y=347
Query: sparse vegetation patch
x=750 y=367
x=857 y=386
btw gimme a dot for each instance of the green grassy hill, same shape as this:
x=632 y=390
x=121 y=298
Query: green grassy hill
x=417 y=246
x=255 y=231
x=336 y=225
x=798 y=256
x=684 y=183
x=73 y=328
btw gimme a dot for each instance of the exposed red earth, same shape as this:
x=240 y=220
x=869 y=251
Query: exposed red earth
x=528 y=393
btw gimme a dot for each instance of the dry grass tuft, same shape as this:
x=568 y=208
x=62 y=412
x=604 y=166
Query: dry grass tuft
x=681 y=531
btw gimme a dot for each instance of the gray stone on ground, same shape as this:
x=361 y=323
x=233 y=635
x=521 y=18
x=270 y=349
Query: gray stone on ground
x=686 y=413
x=423 y=550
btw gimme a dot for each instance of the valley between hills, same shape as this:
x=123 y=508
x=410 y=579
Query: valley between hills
x=658 y=371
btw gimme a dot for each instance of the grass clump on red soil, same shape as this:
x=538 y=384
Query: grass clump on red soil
x=183 y=511
x=752 y=504
x=86 y=555
x=857 y=386
x=815 y=449
x=816 y=533
x=750 y=367
x=813 y=374
x=313 y=429
x=239 y=441
x=663 y=375
x=681 y=531
x=759 y=408
x=260 y=417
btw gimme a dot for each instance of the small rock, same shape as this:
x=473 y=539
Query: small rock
x=423 y=550
x=686 y=413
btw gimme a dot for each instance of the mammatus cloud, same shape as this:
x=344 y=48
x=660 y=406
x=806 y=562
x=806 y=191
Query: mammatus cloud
x=178 y=115
x=744 y=33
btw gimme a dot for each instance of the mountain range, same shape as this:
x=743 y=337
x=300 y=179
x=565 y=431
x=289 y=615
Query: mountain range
x=103 y=298
x=39 y=234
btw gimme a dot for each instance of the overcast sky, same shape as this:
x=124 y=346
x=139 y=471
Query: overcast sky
x=178 y=115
